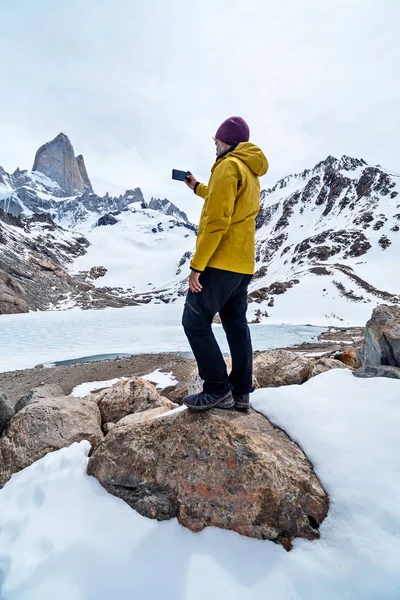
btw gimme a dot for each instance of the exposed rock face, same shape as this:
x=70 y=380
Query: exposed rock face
x=96 y=272
x=219 y=469
x=56 y=159
x=128 y=397
x=44 y=426
x=381 y=349
x=281 y=367
x=12 y=295
x=168 y=208
x=6 y=412
x=49 y=390
x=82 y=170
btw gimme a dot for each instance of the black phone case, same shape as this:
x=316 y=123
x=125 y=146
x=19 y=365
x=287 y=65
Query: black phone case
x=179 y=175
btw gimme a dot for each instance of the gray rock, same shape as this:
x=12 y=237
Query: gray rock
x=44 y=426
x=56 y=159
x=326 y=364
x=82 y=170
x=382 y=371
x=281 y=367
x=44 y=391
x=381 y=348
x=6 y=412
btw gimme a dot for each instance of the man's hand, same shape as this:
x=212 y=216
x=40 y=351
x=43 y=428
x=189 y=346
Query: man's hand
x=194 y=283
x=190 y=181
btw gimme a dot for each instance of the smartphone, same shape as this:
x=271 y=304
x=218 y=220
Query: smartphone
x=179 y=175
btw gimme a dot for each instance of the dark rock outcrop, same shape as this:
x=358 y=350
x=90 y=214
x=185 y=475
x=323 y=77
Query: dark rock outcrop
x=381 y=349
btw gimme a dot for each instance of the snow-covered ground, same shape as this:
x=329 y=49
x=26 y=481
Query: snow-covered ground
x=33 y=338
x=142 y=250
x=159 y=378
x=63 y=536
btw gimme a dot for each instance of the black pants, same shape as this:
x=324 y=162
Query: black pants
x=226 y=293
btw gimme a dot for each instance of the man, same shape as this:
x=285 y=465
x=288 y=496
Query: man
x=222 y=268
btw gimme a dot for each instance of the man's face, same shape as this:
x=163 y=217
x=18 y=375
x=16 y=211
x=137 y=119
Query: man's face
x=219 y=147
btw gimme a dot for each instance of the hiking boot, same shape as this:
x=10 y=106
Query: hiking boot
x=242 y=401
x=203 y=401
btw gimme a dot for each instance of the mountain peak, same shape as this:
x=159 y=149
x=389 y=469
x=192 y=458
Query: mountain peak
x=57 y=160
x=349 y=163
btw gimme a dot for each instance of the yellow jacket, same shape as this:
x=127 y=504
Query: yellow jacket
x=226 y=236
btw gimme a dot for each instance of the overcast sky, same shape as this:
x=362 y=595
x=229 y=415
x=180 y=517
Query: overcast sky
x=141 y=87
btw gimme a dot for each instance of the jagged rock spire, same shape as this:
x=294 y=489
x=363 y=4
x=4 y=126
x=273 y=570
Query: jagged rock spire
x=57 y=160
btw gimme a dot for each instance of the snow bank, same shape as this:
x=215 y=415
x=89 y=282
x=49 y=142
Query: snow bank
x=161 y=379
x=62 y=535
x=83 y=389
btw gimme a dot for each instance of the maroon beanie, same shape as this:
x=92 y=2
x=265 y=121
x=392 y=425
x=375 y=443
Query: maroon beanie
x=233 y=131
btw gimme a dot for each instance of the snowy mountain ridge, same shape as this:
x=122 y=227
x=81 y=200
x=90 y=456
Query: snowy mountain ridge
x=327 y=242
x=333 y=229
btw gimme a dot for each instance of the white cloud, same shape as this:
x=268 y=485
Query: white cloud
x=141 y=89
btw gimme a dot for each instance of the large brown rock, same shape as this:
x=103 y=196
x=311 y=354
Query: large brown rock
x=325 y=364
x=281 y=367
x=12 y=295
x=221 y=469
x=128 y=397
x=44 y=426
x=381 y=348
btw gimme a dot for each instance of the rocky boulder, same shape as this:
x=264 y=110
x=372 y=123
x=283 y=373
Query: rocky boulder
x=128 y=397
x=49 y=390
x=44 y=426
x=281 y=367
x=380 y=353
x=325 y=364
x=349 y=357
x=175 y=393
x=6 y=412
x=12 y=295
x=221 y=469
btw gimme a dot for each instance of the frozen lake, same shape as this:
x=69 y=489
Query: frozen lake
x=42 y=337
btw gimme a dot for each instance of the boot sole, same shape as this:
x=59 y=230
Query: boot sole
x=223 y=403
x=240 y=406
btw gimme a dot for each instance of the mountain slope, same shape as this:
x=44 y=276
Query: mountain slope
x=330 y=237
x=327 y=241
x=124 y=243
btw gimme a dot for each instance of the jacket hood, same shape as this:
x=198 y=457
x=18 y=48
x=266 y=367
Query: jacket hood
x=252 y=156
